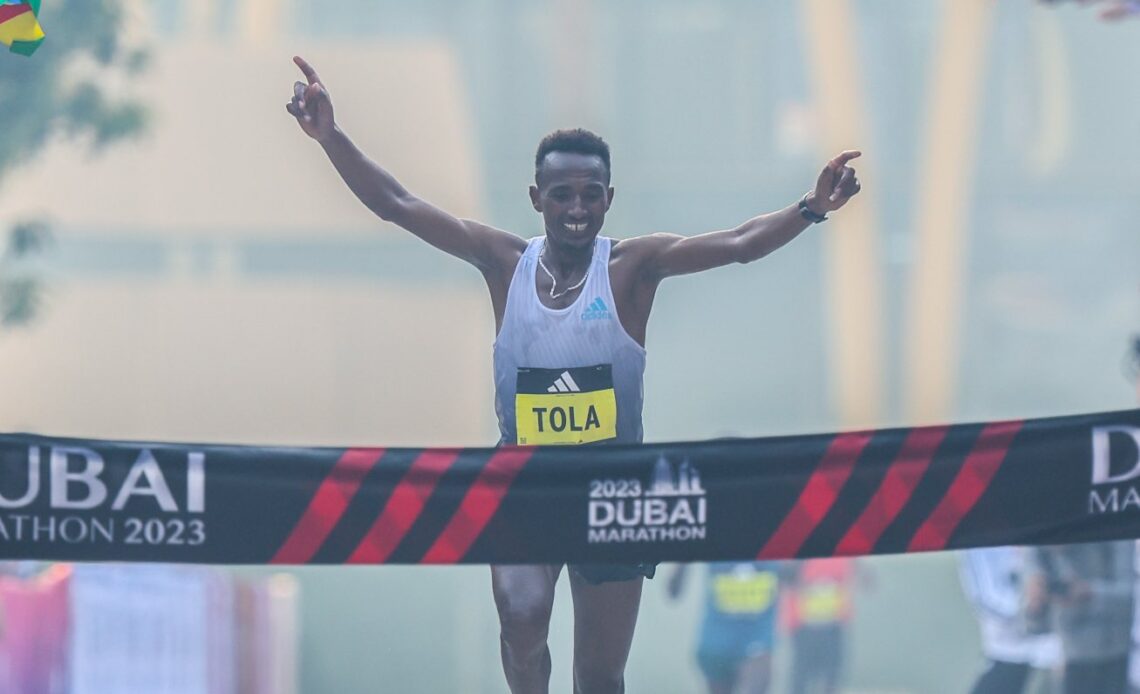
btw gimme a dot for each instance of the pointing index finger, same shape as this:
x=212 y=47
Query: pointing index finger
x=844 y=157
x=310 y=73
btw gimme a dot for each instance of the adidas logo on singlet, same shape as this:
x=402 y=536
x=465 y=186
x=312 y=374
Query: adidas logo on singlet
x=597 y=310
x=564 y=384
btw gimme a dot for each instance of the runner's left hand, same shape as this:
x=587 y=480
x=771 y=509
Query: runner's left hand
x=837 y=184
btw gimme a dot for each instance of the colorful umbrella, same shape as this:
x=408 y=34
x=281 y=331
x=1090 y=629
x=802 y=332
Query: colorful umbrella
x=19 y=28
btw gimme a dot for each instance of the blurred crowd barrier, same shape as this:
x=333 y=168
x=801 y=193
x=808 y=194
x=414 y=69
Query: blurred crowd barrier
x=105 y=629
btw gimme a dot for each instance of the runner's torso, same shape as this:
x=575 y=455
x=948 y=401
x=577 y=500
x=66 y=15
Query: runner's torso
x=570 y=375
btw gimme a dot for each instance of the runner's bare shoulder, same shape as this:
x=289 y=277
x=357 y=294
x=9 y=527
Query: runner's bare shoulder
x=501 y=249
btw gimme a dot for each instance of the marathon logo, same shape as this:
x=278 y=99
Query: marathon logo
x=672 y=507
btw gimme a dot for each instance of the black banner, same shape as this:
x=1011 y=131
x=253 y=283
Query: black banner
x=1043 y=481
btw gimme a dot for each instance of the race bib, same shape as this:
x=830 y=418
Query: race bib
x=744 y=591
x=565 y=406
x=821 y=603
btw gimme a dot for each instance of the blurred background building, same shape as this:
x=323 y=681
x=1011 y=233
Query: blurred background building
x=212 y=280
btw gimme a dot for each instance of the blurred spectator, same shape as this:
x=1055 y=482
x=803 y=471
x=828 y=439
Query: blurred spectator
x=1134 y=658
x=817 y=607
x=739 y=626
x=1087 y=591
x=993 y=580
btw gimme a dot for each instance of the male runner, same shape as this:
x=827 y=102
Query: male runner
x=571 y=309
x=817 y=606
x=738 y=631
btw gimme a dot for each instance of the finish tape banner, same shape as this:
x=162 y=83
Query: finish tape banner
x=1041 y=481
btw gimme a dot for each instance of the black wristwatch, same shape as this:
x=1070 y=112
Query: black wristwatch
x=807 y=214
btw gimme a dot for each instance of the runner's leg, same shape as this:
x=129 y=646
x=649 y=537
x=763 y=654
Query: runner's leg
x=524 y=597
x=604 y=619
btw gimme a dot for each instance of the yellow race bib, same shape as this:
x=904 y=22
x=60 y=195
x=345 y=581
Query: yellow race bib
x=744 y=592
x=821 y=603
x=565 y=406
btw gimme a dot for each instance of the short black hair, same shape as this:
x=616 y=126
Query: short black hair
x=575 y=141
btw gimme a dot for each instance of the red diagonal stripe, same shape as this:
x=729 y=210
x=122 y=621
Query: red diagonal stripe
x=817 y=497
x=893 y=492
x=403 y=506
x=478 y=506
x=971 y=481
x=327 y=505
x=9 y=11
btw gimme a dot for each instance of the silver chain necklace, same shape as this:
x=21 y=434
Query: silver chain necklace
x=553 y=282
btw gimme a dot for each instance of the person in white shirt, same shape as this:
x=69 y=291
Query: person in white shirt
x=993 y=581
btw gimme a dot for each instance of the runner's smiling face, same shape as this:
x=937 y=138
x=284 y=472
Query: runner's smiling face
x=572 y=192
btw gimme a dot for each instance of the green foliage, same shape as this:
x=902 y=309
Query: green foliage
x=21 y=292
x=56 y=91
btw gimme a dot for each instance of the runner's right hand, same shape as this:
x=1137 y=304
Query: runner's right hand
x=311 y=104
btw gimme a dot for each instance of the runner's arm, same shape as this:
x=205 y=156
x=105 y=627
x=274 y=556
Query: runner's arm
x=478 y=244
x=667 y=255
x=676 y=582
x=388 y=199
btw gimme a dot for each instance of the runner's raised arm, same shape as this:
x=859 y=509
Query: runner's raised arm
x=485 y=247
